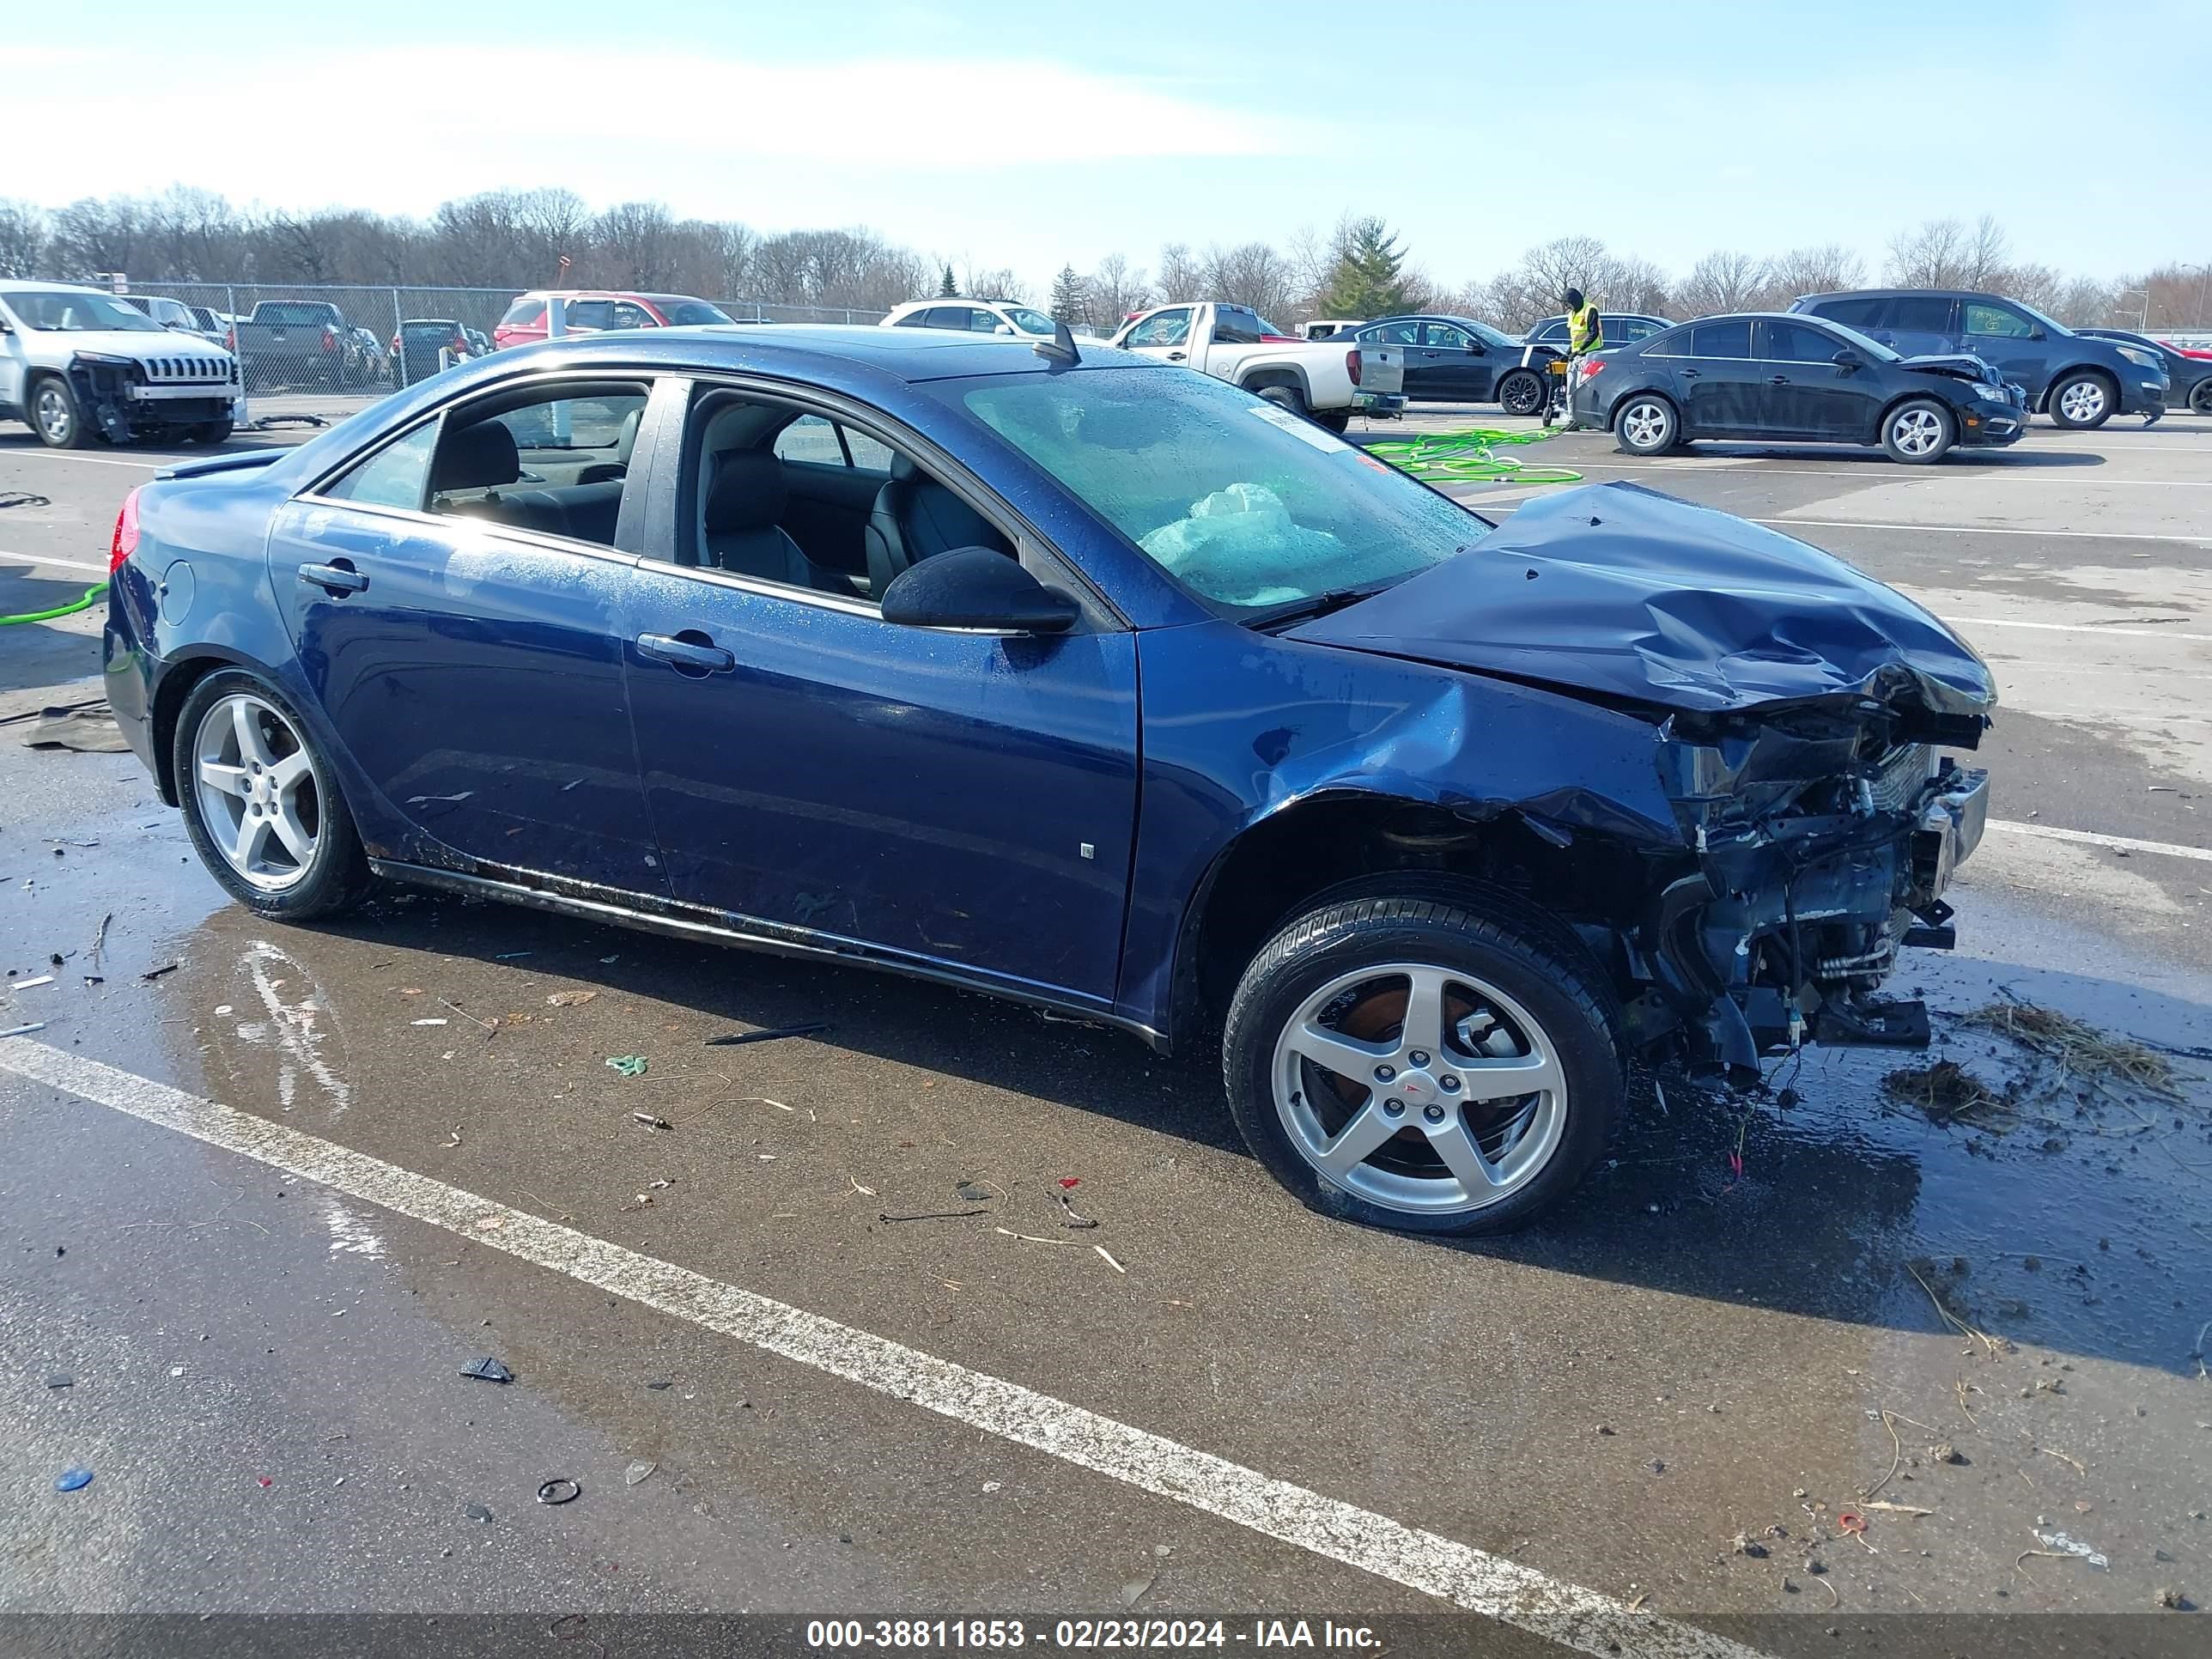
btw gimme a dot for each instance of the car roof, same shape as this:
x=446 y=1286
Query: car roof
x=917 y=354
x=1900 y=293
x=25 y=285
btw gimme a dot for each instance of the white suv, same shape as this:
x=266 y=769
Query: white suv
x=1001 y=318
x=76 y=363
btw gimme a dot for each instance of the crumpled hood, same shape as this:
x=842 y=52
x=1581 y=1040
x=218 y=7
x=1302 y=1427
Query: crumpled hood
x=137 y=344
x=1621 y=591
x=1960 y=365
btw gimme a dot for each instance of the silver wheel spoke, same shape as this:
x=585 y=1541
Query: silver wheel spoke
x=231 y=780
x=252 y=836
x=1346 y=1056
x=294 y=833
x=1424 y=1011
x=290 y=769
x=1453 y=1144
x=1359 y=1138
x=246 y=723
x=1502 y=1079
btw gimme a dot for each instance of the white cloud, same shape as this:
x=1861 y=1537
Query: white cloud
x=402 y=134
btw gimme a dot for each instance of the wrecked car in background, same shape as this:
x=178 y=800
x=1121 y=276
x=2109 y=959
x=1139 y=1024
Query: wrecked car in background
x=78 y=365
x=1069 y=678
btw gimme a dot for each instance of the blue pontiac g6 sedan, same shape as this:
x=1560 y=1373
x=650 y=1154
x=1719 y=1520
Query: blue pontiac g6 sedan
x=1090 y=683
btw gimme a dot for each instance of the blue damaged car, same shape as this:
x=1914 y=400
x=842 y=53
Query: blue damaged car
x=1086 y=682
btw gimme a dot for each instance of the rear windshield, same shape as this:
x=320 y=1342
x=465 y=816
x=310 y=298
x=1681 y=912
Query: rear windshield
x=276 y=311
x=523 y=313
x=60 y=311
x=685 y=314
x=1248 y=505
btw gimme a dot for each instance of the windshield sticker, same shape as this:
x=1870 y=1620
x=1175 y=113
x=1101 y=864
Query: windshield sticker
x=1304 y=430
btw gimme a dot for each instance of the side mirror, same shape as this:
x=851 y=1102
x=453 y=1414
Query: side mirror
x=978 y=588
x=2036 y=334
x=1004 y=328
x=1848 y=359
x=6 y=327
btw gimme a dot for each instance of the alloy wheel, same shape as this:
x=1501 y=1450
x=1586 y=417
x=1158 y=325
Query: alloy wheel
x=1644 y=425
x=257 y=792
x=1420 y=1089
x=1522 y=394
x=1917 y=432
x=51 y=410
x=2083 y=401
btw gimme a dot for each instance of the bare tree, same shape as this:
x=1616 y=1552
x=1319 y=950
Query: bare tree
x=93 y=234
x=550 y=222
x=1722 y=280
x=1822 y=270
x=1945 y=253
x=2084 y=302
x=22 y=238
x=1251 y=274
x=635 y=244
x=998 y=284
x=1181 y=276
x=1116 y=289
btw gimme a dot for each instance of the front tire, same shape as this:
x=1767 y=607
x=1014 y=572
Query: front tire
x=1918 y=432
x=262 y=809
x=2200 y=398
x=1520 y=391
x=1646 y=425
x=55 y=416
x=210 y=432
x=2083 y=401
x=1403 y=1059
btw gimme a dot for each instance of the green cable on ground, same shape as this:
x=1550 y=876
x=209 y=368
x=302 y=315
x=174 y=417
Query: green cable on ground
x=92 y=597
x=1467 y=458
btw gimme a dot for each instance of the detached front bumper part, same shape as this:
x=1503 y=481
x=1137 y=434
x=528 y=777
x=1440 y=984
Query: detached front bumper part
x=1378 y=402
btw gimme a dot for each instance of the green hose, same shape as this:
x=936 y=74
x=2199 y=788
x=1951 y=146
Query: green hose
x=1466 y=457
x=92 y=597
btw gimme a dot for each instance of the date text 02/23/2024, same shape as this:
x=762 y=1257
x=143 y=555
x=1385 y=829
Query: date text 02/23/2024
x=956 y=1634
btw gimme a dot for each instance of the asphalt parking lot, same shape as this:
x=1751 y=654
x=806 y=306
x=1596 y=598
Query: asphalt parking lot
x=1795 y=1371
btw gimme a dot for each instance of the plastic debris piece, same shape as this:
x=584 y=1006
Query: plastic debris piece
x=26 y=984
x=973 y=1192
x=638 y=1471
x=2067 y=1546
x=509 y=955
x=629 y=1065
x=487 y=1368
x=157 y=973
x=659 y=1384
x=1070 y=1183
x=429 y=1022
x=559 y=1490
x=658 y=1125
x=569 y=999
x=24 y=1030
x=1133 y=1591
x=731 y=1040
x=61 y=1380
x=73 y=1479
x=1851 y=1521
x=474 y=1511
x=1110 y=1262
x=263 y=1480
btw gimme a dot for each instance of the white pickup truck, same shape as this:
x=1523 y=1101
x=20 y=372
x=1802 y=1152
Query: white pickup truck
x=1326 y=380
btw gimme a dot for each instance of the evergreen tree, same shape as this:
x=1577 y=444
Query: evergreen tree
x=948 y=289
x=1365 y=281
x=1069 y=300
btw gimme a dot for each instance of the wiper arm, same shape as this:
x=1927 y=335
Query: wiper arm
x=1318 y=605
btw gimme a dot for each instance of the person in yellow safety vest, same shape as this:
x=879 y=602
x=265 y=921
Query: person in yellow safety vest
x=1585 y=334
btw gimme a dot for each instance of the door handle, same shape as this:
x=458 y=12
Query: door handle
x=338 y=579
x=1780 y=380
x=1689 y=373
x=1175 y=356
x=697 y=653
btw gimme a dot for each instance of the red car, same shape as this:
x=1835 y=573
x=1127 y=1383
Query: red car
x=590 y=310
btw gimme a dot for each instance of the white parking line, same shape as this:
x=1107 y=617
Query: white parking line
x=2115 y=632
x=1457 y=1573
x=1848 y=471
x=2090 y=838
x=1980 y=530
x=153 y=464
x=58 y=564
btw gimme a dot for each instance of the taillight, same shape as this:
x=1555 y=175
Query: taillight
x=1590 y=366
x=1351 y=365
x=330 y=340
x=125 y=542
x=230 y=339
x=460 y=343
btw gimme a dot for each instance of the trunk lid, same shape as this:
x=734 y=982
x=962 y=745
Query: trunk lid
x=1617 y=590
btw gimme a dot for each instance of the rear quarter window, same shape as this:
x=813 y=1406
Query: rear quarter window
x=523 y=314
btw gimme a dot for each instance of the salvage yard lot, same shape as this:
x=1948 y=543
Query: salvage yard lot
x=1702 y=1345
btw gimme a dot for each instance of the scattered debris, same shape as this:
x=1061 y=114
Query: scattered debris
x=474 y=1511
x=975 y=1192
x=629 y=1065
x=1070 y=1216
x=1031 y=1238
x=23 y=498
x=2075 y=1463
x=489 y=1369
x=1990 y=1344
x=24 y=1030
x=1656 y=1467
x=1109 y=1259
x=1744 y=1544
x=2171 y=1599
x=2062 y=1545
x=1897 y=1508
x=1133 y=1591
x=509 y=955
x=157 y=973
x=659 y=1384
x=865 y=1192
x=88 y=728
x=1944 y=1452
x=455 y=1140
x=75 y=1479
x=1602 y=1429
x=569 y=999
x=26 y=984
x=2079 y=1050
x=638 y=1471
x=61 y=1380
x=559 y=1490
x=933 y=1215
x=1947 y=1092
x=429 y=1022
x=488 y=1025
x=734 y=1038
x=658 y=1125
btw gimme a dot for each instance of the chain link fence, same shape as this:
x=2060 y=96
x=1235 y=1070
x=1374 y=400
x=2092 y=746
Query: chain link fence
x=324 y=351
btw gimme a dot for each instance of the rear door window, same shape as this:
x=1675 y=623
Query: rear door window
x=1920 y=313
x=1860 y=313
x=1444 y=336
x=590 y=313
x=1730 y=337
x=1403 y=334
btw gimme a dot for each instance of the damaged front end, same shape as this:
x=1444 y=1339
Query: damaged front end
x=1826 y=835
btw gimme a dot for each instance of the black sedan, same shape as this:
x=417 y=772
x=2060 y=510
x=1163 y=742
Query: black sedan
x=1453 y=359
x=2192 y=376
x=1789 y=378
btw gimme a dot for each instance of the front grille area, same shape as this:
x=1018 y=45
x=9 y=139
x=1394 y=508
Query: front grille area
x=1899 y=778
x=172 y=371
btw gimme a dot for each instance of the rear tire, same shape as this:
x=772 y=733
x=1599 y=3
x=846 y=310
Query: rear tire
x=1284 y=397
x=1646 y=425
x=1520 y=391
x=1338 y=421
x=2200 y=398
x=263 y=808
x=1918 y=432
x=55 y=416
x=1440 y=1009
x=210 y=432
x=2083 y=401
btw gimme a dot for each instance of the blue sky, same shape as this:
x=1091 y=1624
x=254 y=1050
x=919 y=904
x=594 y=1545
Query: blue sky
x=1001 y=134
